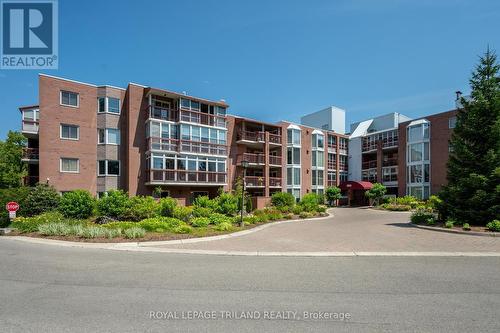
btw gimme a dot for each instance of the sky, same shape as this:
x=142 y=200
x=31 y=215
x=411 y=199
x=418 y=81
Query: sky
x=273 y=60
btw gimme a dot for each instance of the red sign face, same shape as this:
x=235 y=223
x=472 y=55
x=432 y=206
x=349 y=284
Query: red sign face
x=12 y=206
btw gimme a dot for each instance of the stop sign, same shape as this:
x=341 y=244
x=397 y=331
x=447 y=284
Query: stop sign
x=12 y=206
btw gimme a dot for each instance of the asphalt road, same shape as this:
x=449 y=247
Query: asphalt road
x=56 y=289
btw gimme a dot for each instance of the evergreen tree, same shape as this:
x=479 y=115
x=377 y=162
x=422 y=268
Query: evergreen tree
x=473 y=191
x=12 y=169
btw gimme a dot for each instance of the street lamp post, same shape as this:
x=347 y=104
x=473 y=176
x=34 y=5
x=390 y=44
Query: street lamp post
x=244 y=164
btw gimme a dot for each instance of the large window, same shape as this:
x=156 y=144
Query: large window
x=108 y=136
x=190 y=105
x=108 y=104
x=293 y=137
x=452 y=122
x=70 y=165
x=69 y=98
x=318 y=141
x=69 y=132
x=188 y=162
x=418 y=160
x=318 y=159
x=293 y=176
x=108 y=168
x=203 y=134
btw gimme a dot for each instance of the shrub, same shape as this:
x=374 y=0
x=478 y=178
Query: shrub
x=112 y=233
x=167 y=206
x=227 y=204
x=407 y=200
x=42 y=198
x=449 y=224
x=183 y=229
x=140 y=208
x=160 y=224
x=54 y=229
x=288 y=216
x=31 y=224
x=494 y=225
x=135 y=232
x=18 y=195
x=218 y=218
x=305 y=215
x=297 y=210
x=200 y=222
x=466 y=227
x=202 y=211
x=224 y=226
x=395 y=207
x=205 y=202
x=435 y=202
x=183 y=213
x=309 y=202
x=321 y=209
x=431 y=221
x=114 y=204
x=282 y=199
x=77 y=204
x=93 y=232
x=421 y=216
x=273 y=214
x=251 y=219
x=119 y=225
x=284 y=209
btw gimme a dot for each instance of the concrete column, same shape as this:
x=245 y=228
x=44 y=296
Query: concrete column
x=380 y=158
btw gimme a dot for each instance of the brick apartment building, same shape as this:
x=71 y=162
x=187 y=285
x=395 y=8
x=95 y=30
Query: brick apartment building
x=141 y=139
x=144 y=139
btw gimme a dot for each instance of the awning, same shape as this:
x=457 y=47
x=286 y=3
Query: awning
x=355 y=185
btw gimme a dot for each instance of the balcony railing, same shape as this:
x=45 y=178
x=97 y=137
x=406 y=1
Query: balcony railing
x=259 y=181
x=258 y=137
x=163 y=113
x=371 y=179
x=390 y=162
x=332 y=165
x=187 y=176
x=31 y=154
x=252 y=158
x=203 y=148
x=274 y=160
x=203 y=118
x=155 y=143
x=30 y=126
x=31 y=180
x=369 y=164
x=390 y=142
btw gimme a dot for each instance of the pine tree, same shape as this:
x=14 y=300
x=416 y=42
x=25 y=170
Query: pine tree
x=473 y=191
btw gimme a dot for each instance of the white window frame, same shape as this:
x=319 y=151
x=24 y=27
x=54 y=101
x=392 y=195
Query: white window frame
x=106 y=174
x=452 y=120
x=69 y=105
x=72 y=139
x=106 y=141
x=69 y=158
x=106 y=105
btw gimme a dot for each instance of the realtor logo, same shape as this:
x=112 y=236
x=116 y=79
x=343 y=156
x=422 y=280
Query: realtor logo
x=29 y=34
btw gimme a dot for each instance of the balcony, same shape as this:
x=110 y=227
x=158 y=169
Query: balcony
x=155 y=143
x=202 y=118
x=30 y=127
x=259 y=181
x=30 y=155
x=203 y=148
x=275 y=160
x=255 y=159
x=370 y=178
x=195 y=178
x=163 y=113
x=369 y=164
x=260 y=137
x=390 y=142
x=390 y=162
x=31 y=180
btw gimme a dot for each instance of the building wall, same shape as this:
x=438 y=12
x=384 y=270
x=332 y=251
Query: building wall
x=440 y=136
x=52 y=147
x=354 y=173
x=330 y=118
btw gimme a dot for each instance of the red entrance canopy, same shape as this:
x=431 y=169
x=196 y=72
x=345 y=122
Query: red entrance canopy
x=355 y=185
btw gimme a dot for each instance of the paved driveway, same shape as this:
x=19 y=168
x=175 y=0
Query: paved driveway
x=350 y=229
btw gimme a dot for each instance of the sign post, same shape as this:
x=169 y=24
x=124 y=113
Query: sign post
x=12 y=207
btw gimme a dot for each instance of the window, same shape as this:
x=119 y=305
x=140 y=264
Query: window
x=113 y=105
x=108 y=136
x=108 y=168
x=69 y=132
x=293 y=155
x=293 y=136
x=452 y=122
x=71 y=165
x=108 y=104
x=69 y=98
x=318 y=159
x=190 y=105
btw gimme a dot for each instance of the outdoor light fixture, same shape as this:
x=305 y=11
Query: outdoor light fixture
x=244 y=164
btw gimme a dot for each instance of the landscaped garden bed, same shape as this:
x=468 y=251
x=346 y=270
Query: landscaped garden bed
x=77 y=216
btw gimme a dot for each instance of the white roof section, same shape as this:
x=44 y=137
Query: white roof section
x=361 y=129
x=316 y=131
x=292 y=126
x=418 y=122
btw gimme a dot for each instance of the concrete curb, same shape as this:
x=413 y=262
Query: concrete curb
x=459 y=232
x=136 y=247
x=156 y=243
